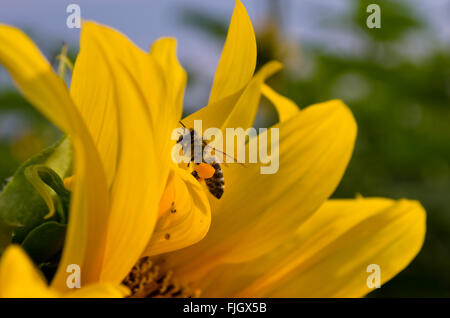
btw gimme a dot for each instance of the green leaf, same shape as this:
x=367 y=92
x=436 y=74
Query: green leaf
x=51 y=188
x=6 y=233
x=21 y=205
x=45 y=241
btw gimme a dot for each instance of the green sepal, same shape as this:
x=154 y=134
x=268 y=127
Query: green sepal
x=48 y=183
x=45 y=241
x=6 y=233
x=21 y=206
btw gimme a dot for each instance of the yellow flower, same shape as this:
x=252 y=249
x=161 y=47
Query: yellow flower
x=20 y=278
x=269 y=235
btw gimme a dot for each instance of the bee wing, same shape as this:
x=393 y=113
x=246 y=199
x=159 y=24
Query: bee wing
x=223 y=153
x=206 y=145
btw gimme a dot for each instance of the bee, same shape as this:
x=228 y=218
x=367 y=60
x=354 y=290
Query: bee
x=209 y=169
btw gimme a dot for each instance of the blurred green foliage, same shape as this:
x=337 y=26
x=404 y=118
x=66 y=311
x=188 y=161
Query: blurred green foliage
x=402 y=106
x=23 y=132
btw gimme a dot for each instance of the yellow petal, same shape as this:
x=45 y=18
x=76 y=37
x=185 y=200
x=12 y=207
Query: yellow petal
x=258 y=212
x=330 y=254
x=19 y=278
x=89 y=208
x=389 y=237
x=215 y=114
x=89 y=204
x=92 y=90
x=238 y=60
x=164 y=52
x=284 y=106
x=238 y=110
x=234 y=76
x=244 y=112
x=99 y=290
x=34 y=75
x=144 y=148
x=184 y=217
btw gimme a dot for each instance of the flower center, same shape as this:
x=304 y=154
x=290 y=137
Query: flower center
x=147 y=279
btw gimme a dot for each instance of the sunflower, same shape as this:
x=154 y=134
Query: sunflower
x=138 y=219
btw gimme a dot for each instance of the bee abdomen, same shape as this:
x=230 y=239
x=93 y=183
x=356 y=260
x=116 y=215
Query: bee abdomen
x=216 y=183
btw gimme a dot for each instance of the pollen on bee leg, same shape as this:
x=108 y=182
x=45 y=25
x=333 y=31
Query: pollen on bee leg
x=204 y=170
